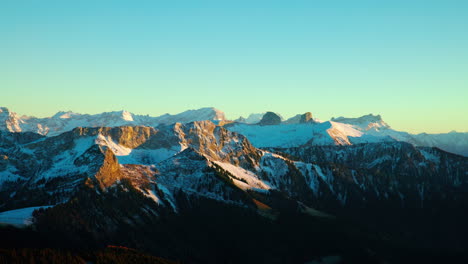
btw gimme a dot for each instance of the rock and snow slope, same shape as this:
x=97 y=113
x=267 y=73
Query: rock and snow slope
x=207 y=160
x=344 y=131
x=19 y=217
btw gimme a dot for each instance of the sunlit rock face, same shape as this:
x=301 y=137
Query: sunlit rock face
x=305 y=118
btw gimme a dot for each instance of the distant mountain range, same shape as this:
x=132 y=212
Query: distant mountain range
x=66 y=121
x=200 y=188
x=294 y=132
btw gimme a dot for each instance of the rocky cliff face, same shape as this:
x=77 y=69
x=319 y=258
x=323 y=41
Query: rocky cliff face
x=126 y=136
x=110 y=172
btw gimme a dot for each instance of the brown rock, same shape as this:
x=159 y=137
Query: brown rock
x=110 y=172
x=306 y=118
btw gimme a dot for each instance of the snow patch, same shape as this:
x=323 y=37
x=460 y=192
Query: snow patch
x=127 y=116
x=151 y=194
x=117 y=149
x=429 y=156
x=310 y=175
x=19 y=217
x=251 y=179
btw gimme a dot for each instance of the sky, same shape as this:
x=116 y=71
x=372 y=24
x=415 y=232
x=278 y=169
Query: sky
x=405 y=60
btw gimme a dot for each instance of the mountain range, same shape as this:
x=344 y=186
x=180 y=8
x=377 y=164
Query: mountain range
x=200 y=188
x=293 y=132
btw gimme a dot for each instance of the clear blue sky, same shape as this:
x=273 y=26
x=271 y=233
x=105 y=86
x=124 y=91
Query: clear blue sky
x=405 y=60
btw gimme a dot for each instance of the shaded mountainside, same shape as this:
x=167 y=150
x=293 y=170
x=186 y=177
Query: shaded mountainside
x=184 y=191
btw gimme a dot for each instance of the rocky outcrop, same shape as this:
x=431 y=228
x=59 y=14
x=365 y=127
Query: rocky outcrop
x=270 y=118
x=110 y=172
x=241 y=119
x=127 y=136
x=300 y=119
x=217 y=143
x=306 y=118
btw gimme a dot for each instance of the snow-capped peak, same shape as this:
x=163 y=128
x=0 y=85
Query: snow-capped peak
x=207 y=113
x=127 y=116
x=366 y=122
x=64 y=115
x=217 y=114
x=117 y=115
x=254 y=118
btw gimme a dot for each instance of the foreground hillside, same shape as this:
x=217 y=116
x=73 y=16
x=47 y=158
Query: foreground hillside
x=111 y=254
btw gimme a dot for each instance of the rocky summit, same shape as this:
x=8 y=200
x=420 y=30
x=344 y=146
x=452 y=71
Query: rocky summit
x=270 y=118
x=307 y=117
